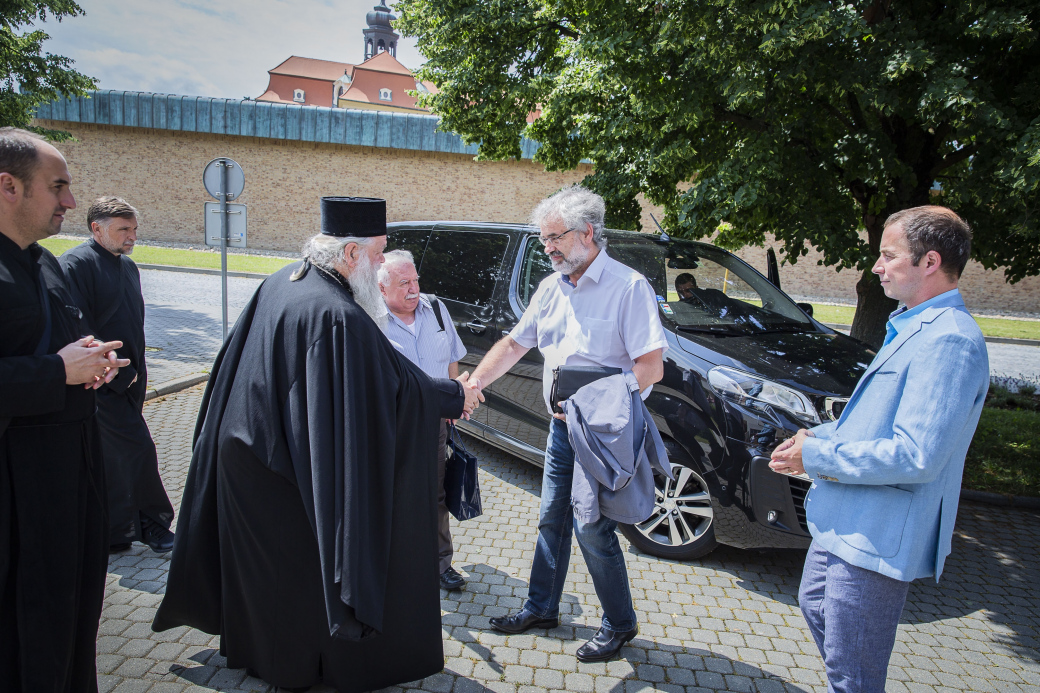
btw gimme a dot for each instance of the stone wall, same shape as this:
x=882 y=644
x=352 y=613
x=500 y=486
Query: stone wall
x=160 y=172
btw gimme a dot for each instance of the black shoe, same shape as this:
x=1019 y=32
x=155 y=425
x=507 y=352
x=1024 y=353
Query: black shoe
x=605 y=644
x=117 y=548
x=158 y=538
x=522 y=621
x=451 y=580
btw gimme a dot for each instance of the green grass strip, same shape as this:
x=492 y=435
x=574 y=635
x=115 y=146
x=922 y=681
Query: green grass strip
x=1004 y=456
x=154 y=255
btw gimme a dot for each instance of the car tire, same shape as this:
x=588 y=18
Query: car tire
x=682 y=526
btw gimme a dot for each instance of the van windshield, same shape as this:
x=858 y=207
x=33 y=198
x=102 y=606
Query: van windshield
x=699 y=286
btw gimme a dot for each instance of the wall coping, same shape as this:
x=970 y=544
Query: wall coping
x=360 y=127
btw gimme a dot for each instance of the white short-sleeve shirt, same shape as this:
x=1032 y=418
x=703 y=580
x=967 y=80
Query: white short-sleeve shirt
x=608 y=319
x=423 y=342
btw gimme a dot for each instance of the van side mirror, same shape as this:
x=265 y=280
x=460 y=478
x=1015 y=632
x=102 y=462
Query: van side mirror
x=772 y=270
x=807 y=307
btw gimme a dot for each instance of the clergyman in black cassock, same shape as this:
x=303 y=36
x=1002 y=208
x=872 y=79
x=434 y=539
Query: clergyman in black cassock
x=106 y=285
x=53 y=526
x=307 y=533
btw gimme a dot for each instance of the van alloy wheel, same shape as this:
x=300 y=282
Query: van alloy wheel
x=682 y=524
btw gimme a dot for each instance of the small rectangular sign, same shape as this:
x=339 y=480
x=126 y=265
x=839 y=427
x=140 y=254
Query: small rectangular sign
x=236 y=224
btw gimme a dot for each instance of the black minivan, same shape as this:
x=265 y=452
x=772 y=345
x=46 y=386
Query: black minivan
x=746 y=368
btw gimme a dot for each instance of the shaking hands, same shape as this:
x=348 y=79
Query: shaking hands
x=471 y=388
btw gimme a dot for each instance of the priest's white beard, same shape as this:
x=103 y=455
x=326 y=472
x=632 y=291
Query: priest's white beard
x=364 y=282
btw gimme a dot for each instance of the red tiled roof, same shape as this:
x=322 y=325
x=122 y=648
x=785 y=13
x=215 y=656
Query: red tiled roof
x=271 y=95
x=367 y=83
x=313 y=68
x=384 y=62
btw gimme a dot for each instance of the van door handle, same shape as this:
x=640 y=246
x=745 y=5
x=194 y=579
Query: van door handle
x=475 y=327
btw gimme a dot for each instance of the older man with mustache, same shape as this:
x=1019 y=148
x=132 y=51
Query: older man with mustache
x=421 y=329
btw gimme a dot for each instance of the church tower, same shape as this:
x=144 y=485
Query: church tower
x=380 y=35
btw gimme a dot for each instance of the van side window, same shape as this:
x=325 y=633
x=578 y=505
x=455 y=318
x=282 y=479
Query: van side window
x=463 y=266
x=412 y=240
x=536 y=267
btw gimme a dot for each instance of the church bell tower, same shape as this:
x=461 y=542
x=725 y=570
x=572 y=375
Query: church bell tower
x=380 y=35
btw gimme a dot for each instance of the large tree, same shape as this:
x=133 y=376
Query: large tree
x=808 y=119
x=28 y=76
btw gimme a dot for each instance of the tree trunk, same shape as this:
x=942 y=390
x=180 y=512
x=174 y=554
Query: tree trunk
x=872 y=305
x=872 y=310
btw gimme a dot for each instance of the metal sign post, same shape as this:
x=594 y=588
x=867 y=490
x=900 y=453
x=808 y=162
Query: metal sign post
x=224 y=180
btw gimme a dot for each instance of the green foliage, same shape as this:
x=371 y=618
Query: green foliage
x=1004 y=456
x=28 y=76
x=809 y=119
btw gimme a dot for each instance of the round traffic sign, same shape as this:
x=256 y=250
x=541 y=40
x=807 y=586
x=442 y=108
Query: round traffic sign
x=236 y=179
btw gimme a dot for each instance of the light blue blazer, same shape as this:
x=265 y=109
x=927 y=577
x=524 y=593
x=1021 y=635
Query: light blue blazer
x=887 y=474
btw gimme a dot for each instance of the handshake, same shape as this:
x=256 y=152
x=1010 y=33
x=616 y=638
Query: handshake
x=472 y=389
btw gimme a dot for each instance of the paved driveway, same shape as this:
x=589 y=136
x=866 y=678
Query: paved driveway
x=726 y=623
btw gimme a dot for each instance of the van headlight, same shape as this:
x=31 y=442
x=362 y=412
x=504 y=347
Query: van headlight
x=753 y=392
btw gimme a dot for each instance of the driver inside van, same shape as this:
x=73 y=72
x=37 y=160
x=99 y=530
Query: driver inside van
x=713 y=301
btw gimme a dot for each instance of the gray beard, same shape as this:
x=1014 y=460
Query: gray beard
x=577 y=260
x=364 y=283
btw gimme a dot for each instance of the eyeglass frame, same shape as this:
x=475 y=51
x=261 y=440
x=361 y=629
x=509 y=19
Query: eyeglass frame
x=553 y=240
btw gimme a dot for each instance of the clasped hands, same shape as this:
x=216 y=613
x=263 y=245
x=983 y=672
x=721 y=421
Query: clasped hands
x=471 y=387
x=91 y=363
x=787 y=457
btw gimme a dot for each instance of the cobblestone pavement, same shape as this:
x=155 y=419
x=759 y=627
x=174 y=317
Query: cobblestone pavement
x=183 y=320
x=726 y=623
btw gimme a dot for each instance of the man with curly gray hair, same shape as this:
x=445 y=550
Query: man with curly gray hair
x=592 y=311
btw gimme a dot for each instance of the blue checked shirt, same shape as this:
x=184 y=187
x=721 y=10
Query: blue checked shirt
x=428 y=347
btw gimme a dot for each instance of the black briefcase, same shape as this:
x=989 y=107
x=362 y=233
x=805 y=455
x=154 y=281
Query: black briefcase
x=569 y=379
x=461 y=489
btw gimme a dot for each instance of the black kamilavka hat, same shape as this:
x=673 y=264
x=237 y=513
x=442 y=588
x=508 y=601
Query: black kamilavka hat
x=361 y=217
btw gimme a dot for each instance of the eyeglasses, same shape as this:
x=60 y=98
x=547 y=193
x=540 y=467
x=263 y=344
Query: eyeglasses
x=555 y=238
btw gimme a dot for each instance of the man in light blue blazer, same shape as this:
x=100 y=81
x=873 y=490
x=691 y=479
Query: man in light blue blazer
x=887 y=474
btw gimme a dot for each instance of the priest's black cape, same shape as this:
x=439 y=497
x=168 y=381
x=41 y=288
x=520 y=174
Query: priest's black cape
x=306 y=535
x=53 y=527
x=107 y=288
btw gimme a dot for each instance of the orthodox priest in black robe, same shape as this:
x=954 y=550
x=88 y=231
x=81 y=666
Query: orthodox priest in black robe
x=307 y=533
x=106 y=285
x=53 y=527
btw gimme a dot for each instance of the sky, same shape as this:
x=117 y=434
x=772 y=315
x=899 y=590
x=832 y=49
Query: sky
x=200 y=48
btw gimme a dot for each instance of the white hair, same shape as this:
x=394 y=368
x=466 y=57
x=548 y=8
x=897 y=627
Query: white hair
x=394 y=257
x=327 y=251
x=574 y=207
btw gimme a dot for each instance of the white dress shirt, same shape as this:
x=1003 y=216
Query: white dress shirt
x=608 y=319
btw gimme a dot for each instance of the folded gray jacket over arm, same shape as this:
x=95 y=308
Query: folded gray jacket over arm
x=616 y=449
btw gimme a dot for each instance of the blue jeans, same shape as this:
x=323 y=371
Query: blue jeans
x=598 y=541
x=853 y=614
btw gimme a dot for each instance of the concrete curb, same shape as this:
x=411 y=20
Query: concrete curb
x=992 y=340
x=175 y=385
x=1002 y=499
x=203 y=270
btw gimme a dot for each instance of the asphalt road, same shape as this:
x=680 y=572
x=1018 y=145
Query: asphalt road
x=183 y=326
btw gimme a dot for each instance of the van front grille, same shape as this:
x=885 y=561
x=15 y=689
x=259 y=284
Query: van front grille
x=799 y=490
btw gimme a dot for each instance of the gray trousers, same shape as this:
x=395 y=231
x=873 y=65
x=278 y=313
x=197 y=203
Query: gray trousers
x=853 y=615
x=444 y=549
